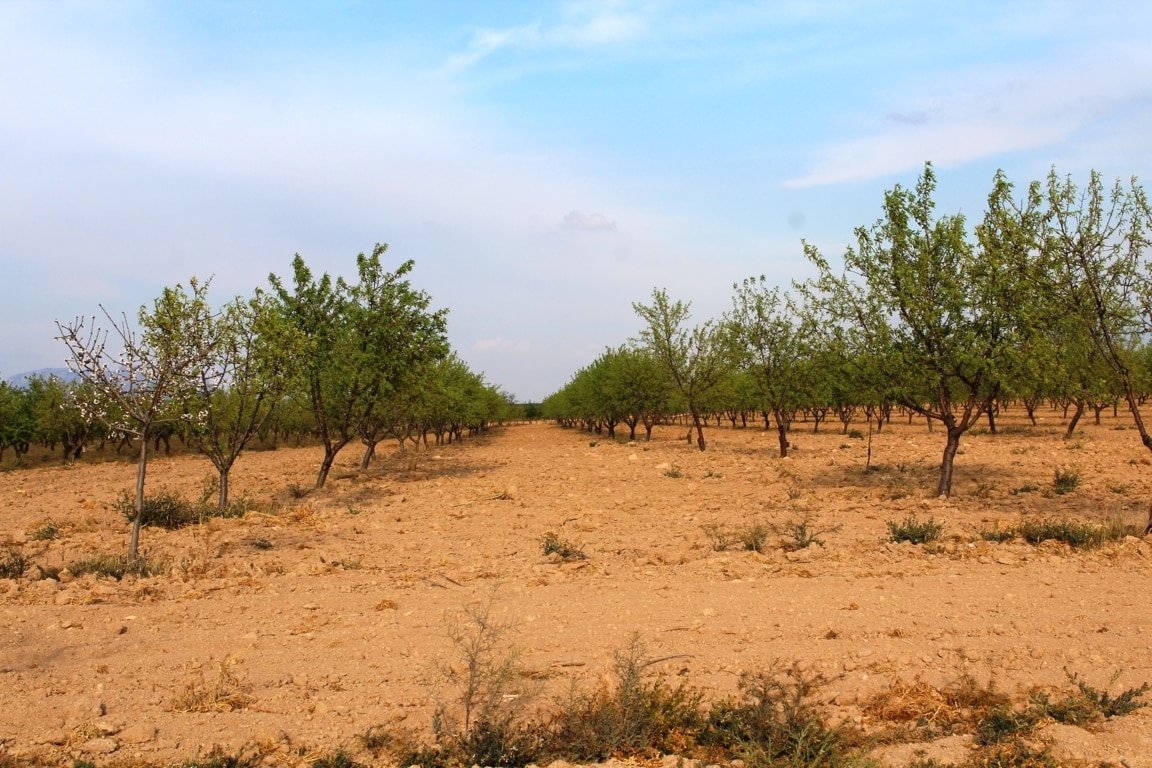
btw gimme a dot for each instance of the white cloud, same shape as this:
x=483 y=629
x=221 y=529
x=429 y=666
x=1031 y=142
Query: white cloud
x=984 y=113
x=592 y=222
x=500 y=344
x=590 y=24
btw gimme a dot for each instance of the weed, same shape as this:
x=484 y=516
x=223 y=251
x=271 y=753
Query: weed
x=855 y=434
x=635 y=717
x=338 y=759
x=800 y=533
x=46 y=532
x=915 y=531
x=168 y=510
x=117 y=566
x=482 y=726
x=261 y=544
x=1088 y=703
x=13 y=565
x=673 y=472
x=554 y=543
x=1072 y=533
x=218 y=759
x=1065 y=481
x=777 y=721
x=718 y=536
x=794 y=492
x=1120 y=489
x=997 y=534
x=298 y=491
x=1004 y=722
x=754 y=537
x=224 y=694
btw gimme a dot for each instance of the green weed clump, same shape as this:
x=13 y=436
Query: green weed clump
x=1065 y=481
x=46 y=532
x=998 y=534
x=914 y=530
x=554 y=543
x=167 y=509
x=117 y=566
x=800 y=533
x=1073 y=533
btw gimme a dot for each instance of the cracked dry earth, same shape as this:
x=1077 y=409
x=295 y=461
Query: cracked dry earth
x=329 y=611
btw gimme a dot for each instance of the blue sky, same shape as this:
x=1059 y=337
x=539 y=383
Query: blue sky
x=546 y=164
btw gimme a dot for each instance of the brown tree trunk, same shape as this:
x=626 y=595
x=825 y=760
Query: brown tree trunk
x=944 y=488
x=1075 y=419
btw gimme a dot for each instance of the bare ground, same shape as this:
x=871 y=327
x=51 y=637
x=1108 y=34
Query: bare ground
x=329 y=611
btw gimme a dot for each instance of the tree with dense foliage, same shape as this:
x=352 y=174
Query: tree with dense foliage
x=361 y=341
x=944 y=321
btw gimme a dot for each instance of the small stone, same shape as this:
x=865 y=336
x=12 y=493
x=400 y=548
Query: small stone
x=138 y=734
x=57 y=737
x=102 y=746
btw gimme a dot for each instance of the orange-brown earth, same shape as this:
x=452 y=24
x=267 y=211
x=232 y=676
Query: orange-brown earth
x=330 y=610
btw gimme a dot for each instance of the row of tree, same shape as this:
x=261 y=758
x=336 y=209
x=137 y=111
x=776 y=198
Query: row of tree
x=1049 y=297
x=343 y=361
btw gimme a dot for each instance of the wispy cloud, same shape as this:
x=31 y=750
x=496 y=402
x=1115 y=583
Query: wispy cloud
x=591 y=222
x=589 y=24
x=984 y=114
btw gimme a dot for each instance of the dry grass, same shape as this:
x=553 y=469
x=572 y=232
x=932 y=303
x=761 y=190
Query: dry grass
x=224 y=694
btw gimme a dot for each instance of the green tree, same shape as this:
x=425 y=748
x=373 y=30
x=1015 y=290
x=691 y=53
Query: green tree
x=696 y=359
x=249 y=352
x=17 y=420
x=774 y=345
x=1097 y=239
x=945 y=322
x=361 y=341
x=60 y=417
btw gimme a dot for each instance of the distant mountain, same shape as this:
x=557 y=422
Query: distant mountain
x=21 y=379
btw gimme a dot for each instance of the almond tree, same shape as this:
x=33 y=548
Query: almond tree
x=769 y=333
x=361 y=342
x=248 y=353
x=139 y=382
x=696 y=359
x=945 y=322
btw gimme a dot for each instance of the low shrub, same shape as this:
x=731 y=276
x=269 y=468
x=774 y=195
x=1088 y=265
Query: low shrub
x=167 y=509
x=1065 y=481
x=117 y=566
x=799 y=533
x=554 y=543
x=913 y=530
x=14 y=564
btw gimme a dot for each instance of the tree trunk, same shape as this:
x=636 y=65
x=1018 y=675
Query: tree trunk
x=782 y=434
x=1075 y=419
x=222 y=499
x=991 y=420
x=699 y=430
x=141 y=470
x=326 y=465
x=369 y=454
x=945 y=486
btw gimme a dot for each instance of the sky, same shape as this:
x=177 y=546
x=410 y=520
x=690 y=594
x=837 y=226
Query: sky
x=546 y=164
